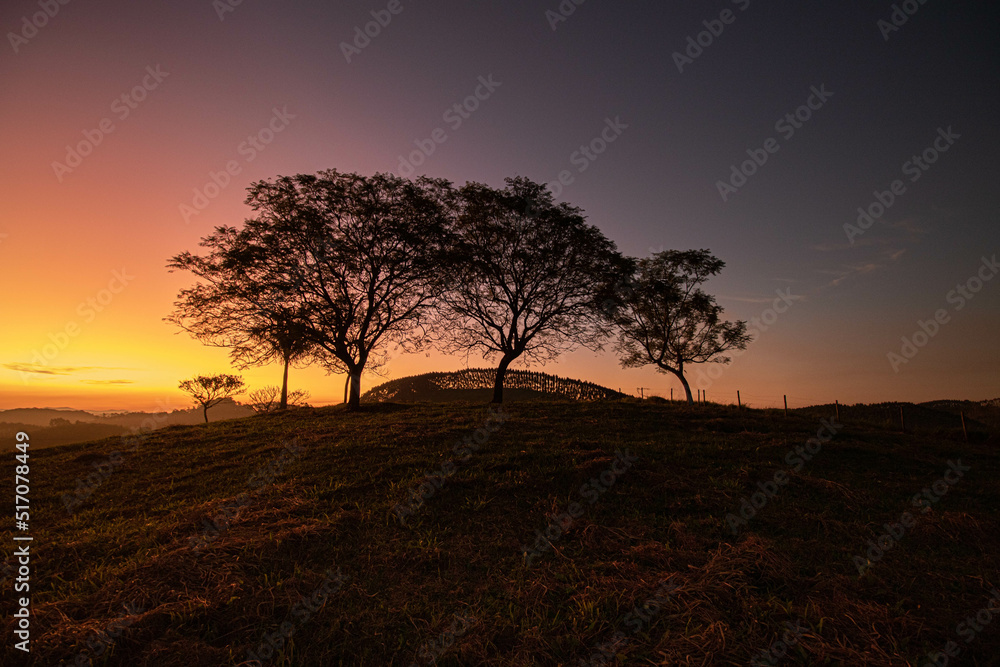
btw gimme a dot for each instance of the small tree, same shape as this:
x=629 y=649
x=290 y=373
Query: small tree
x=265 y=399
x=526 y=278
x=664 y=318
x=210 y=390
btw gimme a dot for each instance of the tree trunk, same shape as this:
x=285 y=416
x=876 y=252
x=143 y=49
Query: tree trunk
x=680 y=376
x=347 y=385
x=355 y=400
x=204 y=409
x=687 y=387
x=498 y=380
x=284 y=389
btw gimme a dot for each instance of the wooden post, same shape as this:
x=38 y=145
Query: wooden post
x=739 y=403
x=965 y=433
x=837 y=404
x=671 y=393
x=704 y=396
x=786 y=404
x=902 y=424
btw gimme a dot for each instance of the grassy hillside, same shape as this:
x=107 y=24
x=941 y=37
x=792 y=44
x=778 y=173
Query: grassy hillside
x=309 y=538
x=476 y=385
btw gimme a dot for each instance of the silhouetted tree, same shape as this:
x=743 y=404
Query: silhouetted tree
x=265 y=399
x=235 y=306
x=210 y=390
x=664 y=318
x=526 y=278
x=358 y=257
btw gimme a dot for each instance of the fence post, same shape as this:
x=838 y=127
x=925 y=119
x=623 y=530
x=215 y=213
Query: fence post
x=739 y=403
x=786 y=403
x=965 y=433
x=902 y=424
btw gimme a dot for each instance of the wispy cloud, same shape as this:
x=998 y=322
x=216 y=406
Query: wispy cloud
x=58 y=370
x=760 y=299
x=847 y=271
x=108 y=381
x=905 y=232
x=747 y=299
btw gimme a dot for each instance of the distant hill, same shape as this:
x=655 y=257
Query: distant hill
x=476 y=384
x=43 y=416
x=985 y=412
x=49 y=427
x=943 y=417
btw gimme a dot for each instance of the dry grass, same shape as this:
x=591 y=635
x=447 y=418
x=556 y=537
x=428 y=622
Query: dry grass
x=663 y=520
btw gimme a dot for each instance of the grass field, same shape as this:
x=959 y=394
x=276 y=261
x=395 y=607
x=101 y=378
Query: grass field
x=194 y=545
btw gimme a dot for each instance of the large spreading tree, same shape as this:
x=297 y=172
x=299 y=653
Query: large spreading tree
x=665 y=318
x=527 y=277
x=235 y=305
x=360 y=259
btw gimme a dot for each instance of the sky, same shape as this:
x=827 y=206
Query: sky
x=756 y=130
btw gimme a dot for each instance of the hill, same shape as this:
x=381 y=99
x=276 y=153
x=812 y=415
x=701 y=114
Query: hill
x=380 y=537
x=941 y=418
x=476 y=385
x=50 y=427
x=42 y=416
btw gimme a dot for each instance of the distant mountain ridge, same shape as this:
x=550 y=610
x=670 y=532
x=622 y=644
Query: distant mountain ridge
x=55 y=426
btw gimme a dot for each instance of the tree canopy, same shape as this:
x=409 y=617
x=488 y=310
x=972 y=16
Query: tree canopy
x=337 y=268
x=234 y=305
x=210 y=390
x=527 y=275
x=357 y=258
x=664 y=317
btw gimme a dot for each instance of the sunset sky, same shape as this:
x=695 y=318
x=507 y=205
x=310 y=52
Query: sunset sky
x=117 y=116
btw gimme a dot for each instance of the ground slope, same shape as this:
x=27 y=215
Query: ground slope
x=476 y=385
x=307 y=535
